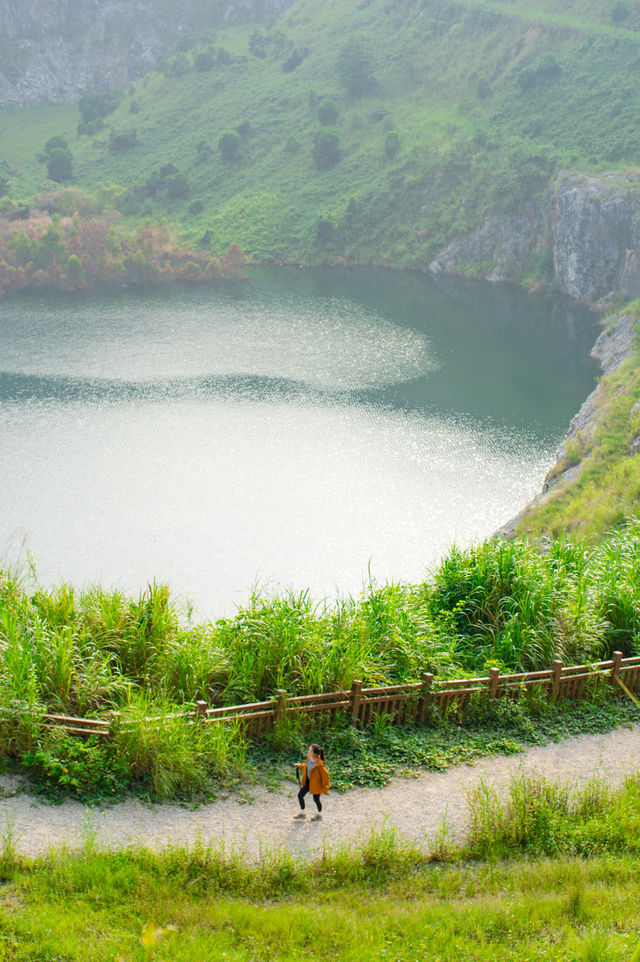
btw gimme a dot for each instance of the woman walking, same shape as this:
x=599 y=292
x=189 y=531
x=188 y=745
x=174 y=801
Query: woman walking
x=315 y=779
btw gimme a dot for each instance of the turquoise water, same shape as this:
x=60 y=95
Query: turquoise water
x=308 y=429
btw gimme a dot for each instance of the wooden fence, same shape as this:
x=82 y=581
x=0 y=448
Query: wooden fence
x=402 y=704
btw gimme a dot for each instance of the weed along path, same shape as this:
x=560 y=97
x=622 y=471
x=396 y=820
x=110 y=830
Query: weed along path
x=415 y=806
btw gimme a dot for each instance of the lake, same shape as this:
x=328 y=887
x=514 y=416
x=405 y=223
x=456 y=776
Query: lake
x=306 y=429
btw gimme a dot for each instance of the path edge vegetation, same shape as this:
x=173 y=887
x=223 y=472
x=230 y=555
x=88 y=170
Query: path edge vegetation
x=546 y=869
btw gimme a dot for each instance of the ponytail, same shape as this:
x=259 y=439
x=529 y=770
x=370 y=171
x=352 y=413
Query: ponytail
x=318 y=751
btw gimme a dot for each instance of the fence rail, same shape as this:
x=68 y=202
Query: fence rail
x=410 y=703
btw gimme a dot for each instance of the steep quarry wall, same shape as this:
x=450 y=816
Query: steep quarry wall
x=589 y=226
x=55 y=50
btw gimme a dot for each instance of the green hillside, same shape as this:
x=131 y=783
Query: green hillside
x=424 y=116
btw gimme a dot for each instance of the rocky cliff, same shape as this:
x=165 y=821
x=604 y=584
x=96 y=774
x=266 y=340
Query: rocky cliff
x=588 y=227
x=56 y=50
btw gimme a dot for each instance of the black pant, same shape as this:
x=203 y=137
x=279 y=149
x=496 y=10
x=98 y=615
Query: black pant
x=305 y=791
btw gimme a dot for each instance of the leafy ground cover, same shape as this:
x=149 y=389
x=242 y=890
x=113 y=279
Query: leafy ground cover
x=498 y=895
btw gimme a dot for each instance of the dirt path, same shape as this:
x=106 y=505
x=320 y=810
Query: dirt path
x=415 y=805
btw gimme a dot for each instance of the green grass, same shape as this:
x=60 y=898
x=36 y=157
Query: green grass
x=607 y=489
x=472 y=140
x=382 y=898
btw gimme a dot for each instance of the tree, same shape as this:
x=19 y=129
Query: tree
x=620 y=11
x=355 y=66
x=294 y=59
x=204 y=152
x=328 y=111
x=58 y=159
x=75 y=270
x=391 y=144
x=123 y=141
x=229 y=147
x=326 y=151
x=205 y=60
x=176 y=186
x=98 y=104
x=257 y=44
x=59 y=165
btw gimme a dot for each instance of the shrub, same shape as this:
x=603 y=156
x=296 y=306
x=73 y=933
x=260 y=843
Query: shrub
x=196 y=207
x=391 y=144
x=355 y=66
x=620 y=11
x=257 y=44
x=179 y=66
x=176 y=186
x=229 y=147
x=294 y=59
x=204 y=152
x=326 y=150
x=121 y=142
x=59 y=165
x=99 y=104
x=292 y=144
x=328 y=111
x=205 y=60
x=325 y=231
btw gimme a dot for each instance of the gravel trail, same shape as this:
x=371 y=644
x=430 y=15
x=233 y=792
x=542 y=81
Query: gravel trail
x=416 y=806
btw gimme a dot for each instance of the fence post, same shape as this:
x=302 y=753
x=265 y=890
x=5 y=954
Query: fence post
x=354 y=698
x=281 y=699
x=427 y=681
x=494 y=677
x=616 y=658
x=556 y=672
x=202 y=710
x=115 y=722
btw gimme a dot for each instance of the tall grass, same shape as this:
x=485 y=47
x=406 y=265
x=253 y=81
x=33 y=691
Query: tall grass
x=545 y=817
x=498 y=603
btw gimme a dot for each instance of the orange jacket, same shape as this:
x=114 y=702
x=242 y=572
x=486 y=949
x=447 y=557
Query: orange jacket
x=319 y=783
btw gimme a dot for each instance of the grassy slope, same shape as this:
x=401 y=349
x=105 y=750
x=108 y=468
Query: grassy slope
x=461 y=154
x=607 y=489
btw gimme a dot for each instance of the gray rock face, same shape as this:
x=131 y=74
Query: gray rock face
x=596 y=235
x=591 y=225
x=56 y=50
x=500 y=246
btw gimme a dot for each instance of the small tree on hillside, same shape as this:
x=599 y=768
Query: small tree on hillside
x=328 y=111
x=58 y=159
x=205 y=60
x=355 y=67
x=391 y=144
x=326 y=151
x=59 y=165
x=229 y=147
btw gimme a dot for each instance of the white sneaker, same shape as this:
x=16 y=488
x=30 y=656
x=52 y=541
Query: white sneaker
x=300 y=815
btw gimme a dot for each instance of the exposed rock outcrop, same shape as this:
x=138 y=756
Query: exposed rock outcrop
x=590 y=225
x=56 y=50
x=499 y=247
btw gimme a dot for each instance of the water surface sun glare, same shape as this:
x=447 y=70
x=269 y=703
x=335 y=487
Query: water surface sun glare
x=292 y=434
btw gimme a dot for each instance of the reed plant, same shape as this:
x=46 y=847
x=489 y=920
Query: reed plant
x=503 y=604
